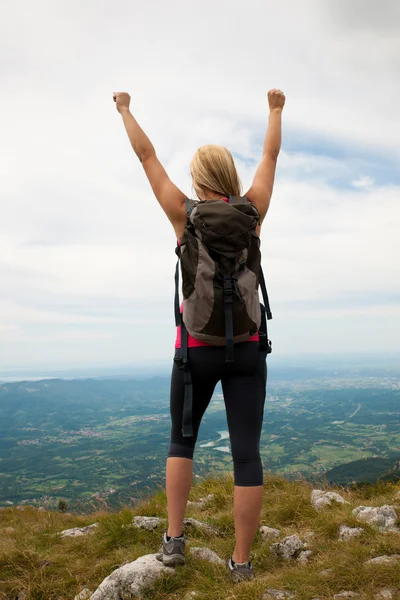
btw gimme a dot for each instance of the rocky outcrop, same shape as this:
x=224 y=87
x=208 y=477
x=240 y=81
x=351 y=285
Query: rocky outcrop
x=304 y=556
x=383 y=518
x=200 y=503
x=346 y=594
x=131 y=579
x=392 y=559
x=206 y=554
x=84 y=594
x=199 y=525
x=272 y=594
x=321 y=499
x=346 y=534
x=326 y=573
x=387 y=594
x=78 y=531
x=289 y=548
x=269 y=532
x=148 y=523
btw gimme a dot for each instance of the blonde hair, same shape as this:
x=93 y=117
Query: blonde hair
x=213 y=170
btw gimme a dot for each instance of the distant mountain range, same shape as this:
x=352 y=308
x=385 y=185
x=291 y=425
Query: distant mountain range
x=367 y=470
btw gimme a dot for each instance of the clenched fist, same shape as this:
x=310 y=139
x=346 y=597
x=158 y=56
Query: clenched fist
x=276 y=99
x=122 y=100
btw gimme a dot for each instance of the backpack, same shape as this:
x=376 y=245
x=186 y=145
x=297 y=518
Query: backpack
x=220 y=259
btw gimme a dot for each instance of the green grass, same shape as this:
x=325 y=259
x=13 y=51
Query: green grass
x=29 y=537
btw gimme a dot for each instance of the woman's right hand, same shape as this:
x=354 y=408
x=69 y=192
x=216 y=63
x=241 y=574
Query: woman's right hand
x=122 y=100
x=276 y=99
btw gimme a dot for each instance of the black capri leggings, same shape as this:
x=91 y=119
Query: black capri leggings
x=244 y=388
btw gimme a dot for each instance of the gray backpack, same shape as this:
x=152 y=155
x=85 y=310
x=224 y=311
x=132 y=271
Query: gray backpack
x=220 y=261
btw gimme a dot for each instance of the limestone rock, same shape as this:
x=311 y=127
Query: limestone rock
x=269 y=532
x=320 y=499
x=83 y=595
x=383 y=517
x=289 y=548
x=189 y=522
x=201 y=502
x=387 y=594
x=393 y=559
x=206 y=554
x=346 y=594
x=148 y=523
x=131 y=579
x=326 y=573
x=271 y=594
x=78 y=531
x=304 y=556
x=191 y=595
x=349 y=533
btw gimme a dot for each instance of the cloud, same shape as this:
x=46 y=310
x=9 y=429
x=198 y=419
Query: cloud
x=363 y=182
x=86 y=254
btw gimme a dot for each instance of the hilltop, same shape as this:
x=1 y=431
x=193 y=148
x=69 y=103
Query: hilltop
x=37 y=563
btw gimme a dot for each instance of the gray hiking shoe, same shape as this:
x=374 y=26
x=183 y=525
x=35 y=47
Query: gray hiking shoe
x=172 y=552
x=240 y=571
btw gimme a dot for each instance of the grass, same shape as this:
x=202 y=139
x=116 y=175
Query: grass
x=34 y=559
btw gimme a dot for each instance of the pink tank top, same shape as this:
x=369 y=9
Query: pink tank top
x=192 y=342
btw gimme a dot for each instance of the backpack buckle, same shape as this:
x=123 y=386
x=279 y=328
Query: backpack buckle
x=181 y=363
x=228 y=288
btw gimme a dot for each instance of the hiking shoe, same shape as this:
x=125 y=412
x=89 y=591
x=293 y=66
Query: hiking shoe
x=172 y=552
x=240 y=571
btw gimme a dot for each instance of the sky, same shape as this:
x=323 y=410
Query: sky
x=87 y=255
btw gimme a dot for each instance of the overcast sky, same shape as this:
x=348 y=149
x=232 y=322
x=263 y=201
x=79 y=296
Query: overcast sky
x=86 y=254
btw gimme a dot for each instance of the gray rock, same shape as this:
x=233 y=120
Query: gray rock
x=387 y=594
x=201 y=502
x=84 y=594
x=393 y=559
x=270 y=593
x=346 y=595
x=131 y=579
x=206 y=554
x=320 y=499
x=191 y=595
x=304 y=556
x=78 y=531
x=349 y=533
x=189 y=522
x=289 y=548
x=148 y=523
x=41 y=509
x=382 y=517
x=326 y=573
x=269 y=532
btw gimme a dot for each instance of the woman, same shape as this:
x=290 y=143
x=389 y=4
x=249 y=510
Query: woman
x=215 y=177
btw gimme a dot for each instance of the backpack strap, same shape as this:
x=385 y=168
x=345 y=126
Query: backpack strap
x=187 y=417
x=265 y=295
x=228 y=308
x=181 y=360
x=265 y=344
x=237 y=200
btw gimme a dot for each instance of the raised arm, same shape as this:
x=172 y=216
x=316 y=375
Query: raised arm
x=261 y=189
x=171 y=199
